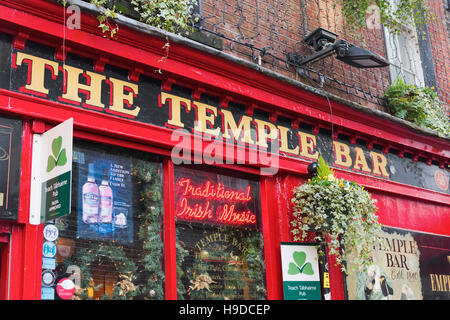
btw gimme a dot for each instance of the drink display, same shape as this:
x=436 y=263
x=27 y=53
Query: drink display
x=105 y=203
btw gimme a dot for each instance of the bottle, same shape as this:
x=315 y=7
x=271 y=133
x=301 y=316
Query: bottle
x=90 y=196
x=106 y=199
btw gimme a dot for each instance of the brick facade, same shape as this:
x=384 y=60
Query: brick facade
x=266 y=31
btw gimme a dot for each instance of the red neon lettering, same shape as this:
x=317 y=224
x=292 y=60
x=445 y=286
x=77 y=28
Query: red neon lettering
x=228 y=215
x=205 y=203
x=197 y=212
x=213 y=192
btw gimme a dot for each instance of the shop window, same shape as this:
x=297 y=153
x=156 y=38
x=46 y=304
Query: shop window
x=111 y=245
x=219 y=236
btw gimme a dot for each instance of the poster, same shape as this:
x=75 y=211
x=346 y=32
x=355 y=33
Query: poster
x=104 y=196
x=300 y=269
x=406 y=265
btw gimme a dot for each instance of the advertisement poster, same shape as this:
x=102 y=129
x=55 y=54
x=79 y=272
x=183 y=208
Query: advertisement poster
x=300 y=269
x=406 y=266
x=104 y=197
x=10 y=148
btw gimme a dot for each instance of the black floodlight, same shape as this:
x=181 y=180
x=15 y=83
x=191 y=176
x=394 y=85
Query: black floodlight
x=320 y=38
x=358 y=57
x=324 y=44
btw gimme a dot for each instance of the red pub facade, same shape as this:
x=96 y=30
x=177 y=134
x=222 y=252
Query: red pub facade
x=201 y=152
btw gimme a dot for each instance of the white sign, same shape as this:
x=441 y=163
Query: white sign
x=51 y=173
x=300 y=270
x=51 y=232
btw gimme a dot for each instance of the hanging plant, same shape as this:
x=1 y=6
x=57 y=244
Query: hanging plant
x=171 y=15
x=338 y=209
x=392 y=16
x=418 y=105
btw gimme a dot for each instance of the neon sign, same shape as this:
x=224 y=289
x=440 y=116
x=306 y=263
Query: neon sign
x=213 y=203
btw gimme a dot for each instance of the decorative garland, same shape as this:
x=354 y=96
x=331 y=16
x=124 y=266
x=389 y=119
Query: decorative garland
x=126 y=268
x=244 y=271
x=145 y=279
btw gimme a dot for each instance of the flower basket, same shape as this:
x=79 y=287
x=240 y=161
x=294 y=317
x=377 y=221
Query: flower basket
x=339 y=210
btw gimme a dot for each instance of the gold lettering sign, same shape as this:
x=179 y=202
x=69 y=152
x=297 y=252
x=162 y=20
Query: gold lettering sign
x=211 y=120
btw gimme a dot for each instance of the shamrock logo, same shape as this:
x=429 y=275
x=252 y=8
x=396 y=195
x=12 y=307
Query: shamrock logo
x=300 y=266
x=59 y=157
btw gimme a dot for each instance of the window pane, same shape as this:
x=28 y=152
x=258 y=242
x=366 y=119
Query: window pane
x=111 y=244
x=219 y=236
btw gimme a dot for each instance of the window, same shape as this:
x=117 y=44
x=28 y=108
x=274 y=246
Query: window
x=111 y=244
x=404 y=54
x=219 y=236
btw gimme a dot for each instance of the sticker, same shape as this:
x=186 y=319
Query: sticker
x=65 y=248
x=48 y=263
x=48 y=278
x=49 y=249
x=65 y=288
x=47 y=293
x=51 y=232
x=326 y=280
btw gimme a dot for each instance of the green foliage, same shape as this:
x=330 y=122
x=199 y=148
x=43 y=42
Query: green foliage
x=339 y=210
x=107 y=13
x=323 y=170
x=392 y=17
x=244 y=271
x=418 y=105
x=170 y=15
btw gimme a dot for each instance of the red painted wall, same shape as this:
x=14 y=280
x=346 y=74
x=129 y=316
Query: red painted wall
x=400 y=206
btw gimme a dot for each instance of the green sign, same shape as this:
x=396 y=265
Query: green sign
x=300 y=266
x=52 y=173
x=55 y=194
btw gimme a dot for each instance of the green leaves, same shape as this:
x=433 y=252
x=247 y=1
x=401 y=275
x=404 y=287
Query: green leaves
x=333 y=209
x=392 y=16
x=58 y=156
x=418 y=105
x=323 y=170
x=300 y=258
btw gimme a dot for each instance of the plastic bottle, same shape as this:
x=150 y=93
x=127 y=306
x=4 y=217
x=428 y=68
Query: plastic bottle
x=106 y=199
x=90 y=196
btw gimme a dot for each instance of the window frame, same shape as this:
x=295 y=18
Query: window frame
x=393 y=50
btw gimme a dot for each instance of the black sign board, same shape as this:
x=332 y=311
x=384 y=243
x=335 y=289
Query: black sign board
x=80 y=82
x=10 y=154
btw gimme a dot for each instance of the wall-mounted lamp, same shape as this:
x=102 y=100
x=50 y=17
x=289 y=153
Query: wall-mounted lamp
x=323 y=42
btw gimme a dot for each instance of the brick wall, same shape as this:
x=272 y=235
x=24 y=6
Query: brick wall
x=273 y=28
x=440 y=44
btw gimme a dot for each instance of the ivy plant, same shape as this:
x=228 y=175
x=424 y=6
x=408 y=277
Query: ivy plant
x=341 y=215
x=392 y=16
x=170 y=15
x=419 y=105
